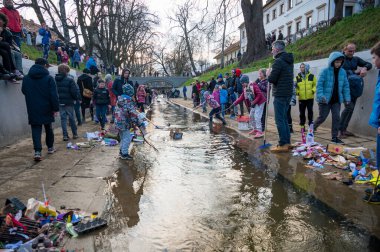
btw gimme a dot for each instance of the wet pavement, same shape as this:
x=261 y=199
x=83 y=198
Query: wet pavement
x=215 y=191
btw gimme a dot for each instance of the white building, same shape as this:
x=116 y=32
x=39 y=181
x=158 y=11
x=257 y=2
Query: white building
x=292 y=16
x=230 y=54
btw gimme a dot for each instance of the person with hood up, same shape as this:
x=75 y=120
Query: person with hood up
x=238 y=88
x=281 y=76
x=209 y=99
x=141 y=95
x=76 y=58
x=126 y=118
x=42 y=103
x=84 y=82
x=68 y=93
x=117 y=87
x=223 y=99
x=306 y=87
x=332 y=90
x=254 y=100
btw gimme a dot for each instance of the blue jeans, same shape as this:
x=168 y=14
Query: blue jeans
x=46 y=49
x=17 y=38
x=281 y=106
x=77 y=112
x=64 y=112
x=113 y=113
x=36 y=136
x=223 y=107
x=125 y=141
x=101 y=111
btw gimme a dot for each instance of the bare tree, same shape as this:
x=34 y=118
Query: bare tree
x=253 y=19
x=159 y=57
x=189 y=27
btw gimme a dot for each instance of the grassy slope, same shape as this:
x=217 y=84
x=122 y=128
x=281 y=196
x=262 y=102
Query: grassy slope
x=34 y=53
x=363 y=29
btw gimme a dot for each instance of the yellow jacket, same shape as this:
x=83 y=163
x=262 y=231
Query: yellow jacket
x=306 y=87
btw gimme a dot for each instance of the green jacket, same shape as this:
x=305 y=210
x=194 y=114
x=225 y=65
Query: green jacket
x=306 y=87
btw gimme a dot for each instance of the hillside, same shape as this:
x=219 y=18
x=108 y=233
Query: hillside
x=362 y=29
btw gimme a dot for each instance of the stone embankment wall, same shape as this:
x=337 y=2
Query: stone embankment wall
x=13 y=116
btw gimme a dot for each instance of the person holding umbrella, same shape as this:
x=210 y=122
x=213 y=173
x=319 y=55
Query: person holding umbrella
x=374 y=121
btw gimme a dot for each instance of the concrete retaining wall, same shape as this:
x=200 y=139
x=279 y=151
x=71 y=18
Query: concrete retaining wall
x=363 y=108
x=14 y=118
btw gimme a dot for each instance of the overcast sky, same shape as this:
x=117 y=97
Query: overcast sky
x=165 y=8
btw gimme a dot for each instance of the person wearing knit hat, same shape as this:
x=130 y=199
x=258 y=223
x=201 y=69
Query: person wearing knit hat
x=209 y=99
x=220 y=81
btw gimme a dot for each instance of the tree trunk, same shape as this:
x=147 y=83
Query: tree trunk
x=253 y=19
x=65 y=28
x=338 y=13
x=224 y=32
x=190 y=52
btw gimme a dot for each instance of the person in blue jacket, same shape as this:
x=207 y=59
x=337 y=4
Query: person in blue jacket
x=184 y=90
x=374 y=119
x=42 y=103
x=223 y=99
x=46 y=36
x=333 y=89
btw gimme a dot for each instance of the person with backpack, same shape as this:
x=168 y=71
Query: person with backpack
x=86 y=90
x=306 y=87
x=356 y=69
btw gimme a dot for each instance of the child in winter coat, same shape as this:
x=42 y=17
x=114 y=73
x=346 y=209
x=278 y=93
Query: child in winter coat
x=232 y=98
x=333 y=89
x=141 y=95
x=263 y=84
x=216 y=94
x=254 y=100
x=127 y=117
x=223 y=99
x=210 y=100
x=101 y=99
x=306 y=87
x=65 y=58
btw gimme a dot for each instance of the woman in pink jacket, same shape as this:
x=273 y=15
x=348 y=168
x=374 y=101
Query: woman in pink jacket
x=254 y=100
x=141 y=95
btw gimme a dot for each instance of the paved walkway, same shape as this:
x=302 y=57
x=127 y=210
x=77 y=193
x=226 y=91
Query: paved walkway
x=346 y=200
x=75 y=179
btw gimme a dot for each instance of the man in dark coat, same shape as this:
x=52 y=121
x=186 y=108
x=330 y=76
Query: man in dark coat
x=41 y=99
x=68 y=93
x=356 y=69
x=117 y=87
x=85 y=82
x=281 y=76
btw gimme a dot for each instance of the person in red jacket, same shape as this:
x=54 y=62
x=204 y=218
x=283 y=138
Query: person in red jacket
x=254 y=100
x=14 y=20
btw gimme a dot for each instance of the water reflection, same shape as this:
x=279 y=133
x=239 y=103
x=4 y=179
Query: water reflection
x=204 y=193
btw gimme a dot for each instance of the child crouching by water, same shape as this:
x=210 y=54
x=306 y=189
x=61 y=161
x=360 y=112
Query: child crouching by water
x=127 y=117
x=255 y=101
x=210 y=100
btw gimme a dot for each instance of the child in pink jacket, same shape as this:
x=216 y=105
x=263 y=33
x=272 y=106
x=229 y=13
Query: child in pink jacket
x=211 y=101
x=254 y=100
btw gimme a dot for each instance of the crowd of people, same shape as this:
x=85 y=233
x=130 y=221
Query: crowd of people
x=341 y=82
x=47 y=96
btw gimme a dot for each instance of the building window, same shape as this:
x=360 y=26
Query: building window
x=274 y=14
x=308 y=21
x=348 y=10
x=289 y=30
x=290 y=4
x=298 y=26
x=321 y=14
x=282 y=9
x=243 y=34
x=268 y=18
